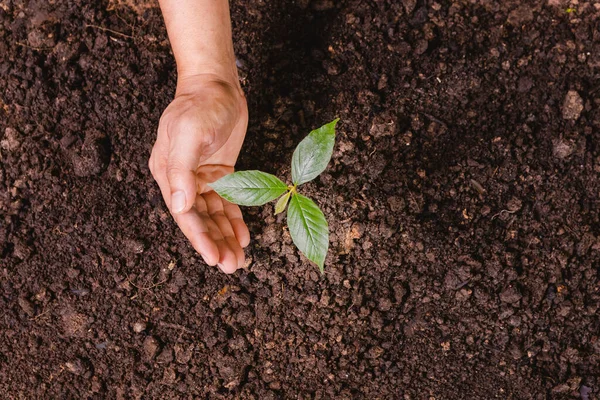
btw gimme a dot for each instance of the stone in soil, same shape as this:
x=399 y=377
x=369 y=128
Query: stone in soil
x=150 y=347
x=562 y=149
x=572 y=105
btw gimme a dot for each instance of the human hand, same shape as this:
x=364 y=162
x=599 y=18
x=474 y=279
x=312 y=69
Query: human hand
x=199 y=139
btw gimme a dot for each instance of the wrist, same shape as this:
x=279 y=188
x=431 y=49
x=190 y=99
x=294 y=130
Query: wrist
x=203 y=79
x=199 y=72
x=224 y=67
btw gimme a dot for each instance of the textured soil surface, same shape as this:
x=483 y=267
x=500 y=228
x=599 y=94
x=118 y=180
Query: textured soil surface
x=463 y=199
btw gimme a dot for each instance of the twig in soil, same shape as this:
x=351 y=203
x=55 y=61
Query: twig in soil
x=572 y=232
x=57 y=230
x=434 y=119
x=477 y=186
x=503 y=212
x=487 y=346
x=39 y=315
x=110 y=30
x=33 y=48
x=462 y=285
x=126 y=23
x=141 y=288
x=51 y=377
x=174 y=326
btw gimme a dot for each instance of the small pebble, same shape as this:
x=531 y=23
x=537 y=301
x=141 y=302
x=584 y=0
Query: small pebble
x=80 y=292
x=134 y=246
x=514 y=204
x=11 y=140
x=520 y=15
x=561 y=149
x=510 y=295
x=76 y=366
x=26 y=306
x=183 y=354
x=384 y=304
x=151 y=346
x=572 y=106
x=383 y=82
x=139 y=327
x=165 y=356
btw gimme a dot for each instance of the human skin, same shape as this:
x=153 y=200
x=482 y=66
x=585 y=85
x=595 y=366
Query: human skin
x=201 y=132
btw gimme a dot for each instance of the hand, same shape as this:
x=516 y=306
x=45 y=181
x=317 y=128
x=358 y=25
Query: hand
x=199 y=138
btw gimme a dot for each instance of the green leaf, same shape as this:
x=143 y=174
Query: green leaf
x=281 y=203
x=249 y=188
x=308 y=228
x=313 y=153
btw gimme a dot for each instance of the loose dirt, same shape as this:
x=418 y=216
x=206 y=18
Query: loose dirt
x=463 y=198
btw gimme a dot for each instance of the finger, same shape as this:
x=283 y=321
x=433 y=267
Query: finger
x=158 y=165
x=160 y=176
x=227 y=258
x=185 y=149
x=227 y=231
x=195 y=227
x=214 y=204
x=227 y=261
x=234 y=214
x=237 y=249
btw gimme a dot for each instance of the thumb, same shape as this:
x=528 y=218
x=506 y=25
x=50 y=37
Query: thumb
x=186 y=150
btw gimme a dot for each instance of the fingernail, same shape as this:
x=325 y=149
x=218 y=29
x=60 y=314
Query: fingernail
x=220 y=267
x=178 y=201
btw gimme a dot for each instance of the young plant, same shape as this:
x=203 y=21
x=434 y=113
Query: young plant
x=306 y=222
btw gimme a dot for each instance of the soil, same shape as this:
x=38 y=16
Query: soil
x=463 y=199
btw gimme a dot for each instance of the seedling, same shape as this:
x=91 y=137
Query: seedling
x=306 y=222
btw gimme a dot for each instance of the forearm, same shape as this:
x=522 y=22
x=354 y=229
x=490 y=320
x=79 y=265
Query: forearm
x=200 y=35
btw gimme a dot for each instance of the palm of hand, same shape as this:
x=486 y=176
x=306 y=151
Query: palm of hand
x=214 y=118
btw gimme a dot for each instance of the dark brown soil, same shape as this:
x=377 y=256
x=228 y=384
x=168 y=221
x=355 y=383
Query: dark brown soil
x=463 y=199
